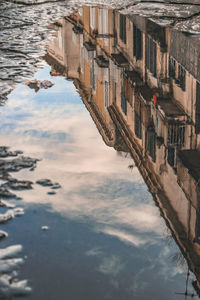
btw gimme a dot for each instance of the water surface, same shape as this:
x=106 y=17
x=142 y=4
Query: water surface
x=103 y=234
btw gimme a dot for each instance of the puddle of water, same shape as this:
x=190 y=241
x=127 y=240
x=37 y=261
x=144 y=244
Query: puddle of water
x=104 y=236
x=91 y=228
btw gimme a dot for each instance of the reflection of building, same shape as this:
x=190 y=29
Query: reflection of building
x=143 y=98
x=75 y=54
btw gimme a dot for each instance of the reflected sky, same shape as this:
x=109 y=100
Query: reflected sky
x=103 y=213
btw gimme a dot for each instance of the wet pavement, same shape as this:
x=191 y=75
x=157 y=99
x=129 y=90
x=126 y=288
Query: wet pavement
x=23 y=29
x=87 y=190
x=23 y=33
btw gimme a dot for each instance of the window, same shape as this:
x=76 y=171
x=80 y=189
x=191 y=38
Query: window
x=123 y=104
x=151 y=142
x=171 y=156
x=138 y=127
x=115 y=92
x=151 y=55
x=92 y=76
x=197 y=111
x=176 y=135
x=103 y=21
x=60 y=41
x=127 y=90
x=197 y=225
x=93 y=18
x=106 y=94
x=137 y=42
x=82 y=59
x=148 y=113
x=122 y=32
x=181 y=77
x=172 y=67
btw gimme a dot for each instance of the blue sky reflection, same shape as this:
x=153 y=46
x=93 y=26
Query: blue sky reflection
x=97 y=186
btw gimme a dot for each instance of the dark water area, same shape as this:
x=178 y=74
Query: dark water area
x=103 y=162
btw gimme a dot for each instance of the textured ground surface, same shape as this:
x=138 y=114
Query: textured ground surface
x=23 y=29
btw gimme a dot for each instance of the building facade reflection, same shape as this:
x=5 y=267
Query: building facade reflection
x=140 y=81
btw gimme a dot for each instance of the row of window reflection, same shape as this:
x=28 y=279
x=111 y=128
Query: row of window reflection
x=176 y=132
x=176 y=71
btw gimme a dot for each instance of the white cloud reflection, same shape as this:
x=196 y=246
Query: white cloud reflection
x=125 y=237
x=111 y=265
x=94 y=252
x=97 y=185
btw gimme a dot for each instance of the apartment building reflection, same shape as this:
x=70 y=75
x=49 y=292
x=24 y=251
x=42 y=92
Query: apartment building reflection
x=140 y=82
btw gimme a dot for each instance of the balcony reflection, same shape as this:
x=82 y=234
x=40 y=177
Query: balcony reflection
x=140 y=81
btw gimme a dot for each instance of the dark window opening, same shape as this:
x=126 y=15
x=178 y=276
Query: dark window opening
x=148 y=113
x=137 y=42
x=197 y=225
x=197 y=111
x=138 y=126
x=172 y=67
x=151 y=143
x=106 y=94
x=127 y=90
x=176 y=135
x=156 y=32
x=92 y=76
x=151 y=55
x=181 y=77
x=124 y=104
x=171 y=156
x=122 y=32
x=115 y=92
